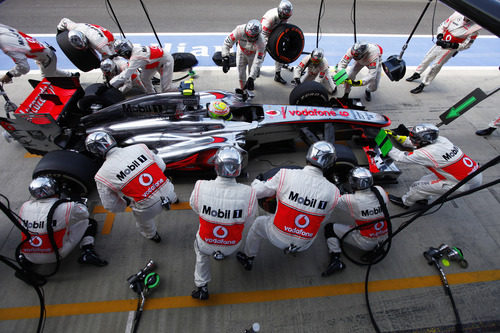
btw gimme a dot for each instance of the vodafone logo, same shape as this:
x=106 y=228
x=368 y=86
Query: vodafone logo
x=35 y=241
x=468 y=162
x=145 y=179
x=379 y=225
x=220 y=232
x=272 y=113
x=302 y=221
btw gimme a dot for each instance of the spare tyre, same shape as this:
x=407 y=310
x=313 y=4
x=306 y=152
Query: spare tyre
x=73 y=171
x=285 y=43
x=309 y=93
x=86 y=60
x=184 y=61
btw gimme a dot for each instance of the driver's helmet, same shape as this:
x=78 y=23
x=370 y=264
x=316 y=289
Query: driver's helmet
x=285 y=10
x=228 y=161
x=43 y=187
x=360 y=178
x=108 y=66
x=123 y=47
x=219 y=110
x=358 y=50
x=77 y=39
x=423 y=134
x=253 y=29
x=321 y=154
x=99 y=143
x=317 y=55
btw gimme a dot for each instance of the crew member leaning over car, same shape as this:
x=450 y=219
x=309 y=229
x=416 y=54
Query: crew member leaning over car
x=132 y=176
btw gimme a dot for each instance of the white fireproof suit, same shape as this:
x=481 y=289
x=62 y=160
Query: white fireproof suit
x=150 y=60
x=249 y=54
x=71 y=222
x=99 y=38
x=364 y=207
x=448 y=164
x=121 y=64
x=224 y=207
x=136 y=173
x=20 y=47
x=372 y=60
x=319 y=72
x=454 y=30
x=269 y=22
x=304 y=200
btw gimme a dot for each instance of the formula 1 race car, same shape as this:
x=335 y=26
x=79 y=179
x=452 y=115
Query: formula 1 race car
x=58 y=115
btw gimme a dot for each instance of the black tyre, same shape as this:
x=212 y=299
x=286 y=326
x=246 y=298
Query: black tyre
x=285 y=44
x=73 y=171
x=86 y=60
x=184 y=61
x=346 y=160
x=98 y=93
x=309 y=93
x=217 y=59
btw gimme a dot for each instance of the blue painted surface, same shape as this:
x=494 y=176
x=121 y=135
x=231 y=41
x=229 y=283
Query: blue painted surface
x=484 y=52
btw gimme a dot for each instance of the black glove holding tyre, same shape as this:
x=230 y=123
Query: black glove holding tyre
x=225 y=64
x=295 y=81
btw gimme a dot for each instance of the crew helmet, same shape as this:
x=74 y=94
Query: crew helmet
x=108 y=66
x=285 y=10
x=358 y=50
x=228 y=161
x=123 y=47
x=99 y=143
x=360 y=178
x=219 y=110
x=424 y=134
x=77 y=39
x=317 y=55
x=43 y=187
x=253 y=29
x=321 y=154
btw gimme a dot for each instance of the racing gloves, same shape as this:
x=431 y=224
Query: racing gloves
x=225 y=64
x=354 y=83
x=249 y=85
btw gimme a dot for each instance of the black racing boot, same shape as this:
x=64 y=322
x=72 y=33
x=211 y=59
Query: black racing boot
x=89 y=256
x=156 y=238
x=398 y=201
x=335 y=265
x=413 y=77
x=278 y=78
x=368 y=95
x=200 y=293
x=245 y=261
x=418 y=89
x=486 y=131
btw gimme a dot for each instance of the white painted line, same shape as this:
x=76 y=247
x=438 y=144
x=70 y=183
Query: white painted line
x=130 y=321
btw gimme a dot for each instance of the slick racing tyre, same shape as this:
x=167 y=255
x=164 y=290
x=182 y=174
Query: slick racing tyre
x=86 y=60
x=184 y=61
x=74 y=172
x=285 y=44
x=309 y=93
x=100 y=95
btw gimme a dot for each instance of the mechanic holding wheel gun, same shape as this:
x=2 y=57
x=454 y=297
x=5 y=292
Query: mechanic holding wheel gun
x=134 y=176
x=271 y=19
x=455 y=34
x=316 y=68
x=224 y=207
x=364 y=207
x=448 y=164
x=84 y=35
x=365 y=55
x=69 y=225
x=249 y=55
x=19 y=47
x=305 y=198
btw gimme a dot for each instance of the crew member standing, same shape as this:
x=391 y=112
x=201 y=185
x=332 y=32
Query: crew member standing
x=19 y=47
x=224 y=207
x=305 y=198
x=132 y=175
x=455 y=34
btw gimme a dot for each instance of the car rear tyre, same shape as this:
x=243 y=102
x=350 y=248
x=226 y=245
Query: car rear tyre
x=86 y=60
x=285 y=43
x=309 y=93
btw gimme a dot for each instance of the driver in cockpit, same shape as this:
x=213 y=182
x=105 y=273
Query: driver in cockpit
x=219 y=110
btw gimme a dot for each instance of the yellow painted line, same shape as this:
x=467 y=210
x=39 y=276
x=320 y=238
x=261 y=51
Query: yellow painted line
x=110 y=216
x=177 y=302
x=29 y=155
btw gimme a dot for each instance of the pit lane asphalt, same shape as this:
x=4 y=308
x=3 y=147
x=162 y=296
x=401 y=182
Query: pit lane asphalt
x=282 y=293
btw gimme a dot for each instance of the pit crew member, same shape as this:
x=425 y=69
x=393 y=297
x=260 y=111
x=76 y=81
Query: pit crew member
x=316 y=68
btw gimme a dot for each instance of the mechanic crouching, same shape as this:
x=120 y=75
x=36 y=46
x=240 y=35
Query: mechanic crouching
x=134 y=176
x=69 y=225
x=305 y=198
x=365 y=207
x=448 y=164
x=316 y=68
x=224 y=207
